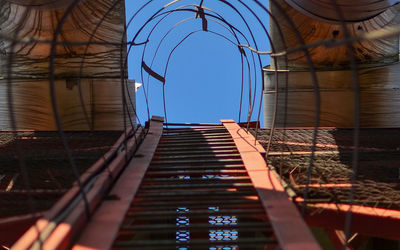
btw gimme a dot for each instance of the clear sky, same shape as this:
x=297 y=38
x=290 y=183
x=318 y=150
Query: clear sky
x=204 y=74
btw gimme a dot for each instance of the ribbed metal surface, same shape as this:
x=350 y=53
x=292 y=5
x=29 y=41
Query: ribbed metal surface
x=196 y=195
x=357 y=10
x=377 y=183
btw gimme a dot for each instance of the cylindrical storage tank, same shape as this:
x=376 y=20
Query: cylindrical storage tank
x=367 y=53
x=79 y=63
x=351 y=11
x=377 y=63
x=379 y=95
x=43 y=4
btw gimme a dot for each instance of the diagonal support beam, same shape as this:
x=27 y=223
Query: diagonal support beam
x=290 y=229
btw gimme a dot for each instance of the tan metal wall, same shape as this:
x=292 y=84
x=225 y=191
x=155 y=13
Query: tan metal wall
x=97 y=65
x=377 y=63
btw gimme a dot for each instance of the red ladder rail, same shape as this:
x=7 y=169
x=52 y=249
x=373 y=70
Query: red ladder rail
x=105 y=223
x=289 y=227
x=59 y=226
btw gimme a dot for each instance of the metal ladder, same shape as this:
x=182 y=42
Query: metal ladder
x=196 y=194
x=183 y=187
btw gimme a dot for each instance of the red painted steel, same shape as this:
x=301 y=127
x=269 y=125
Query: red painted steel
x=377 y=222
x=290 y=229
x=19 y=225
x=60 y=234
x=105 y=223
x=338 y=238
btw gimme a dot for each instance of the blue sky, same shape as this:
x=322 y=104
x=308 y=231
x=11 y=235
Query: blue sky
x=204 y=75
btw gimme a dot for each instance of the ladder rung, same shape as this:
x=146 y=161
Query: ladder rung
x=247 y=200
x=197 y=156
x=202 y=212
x=193 y=226
x=187 y=185
x=194 y=148
x=199 y=136
x=171 y=167
x=195 y=152
x=194 y=141
x=197 y=179
x=168 y=130
x=199 y=172
x=191 y=194
x=195 y=242
x=197 y=161
x=196 y=144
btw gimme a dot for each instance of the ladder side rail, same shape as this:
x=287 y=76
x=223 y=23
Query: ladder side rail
x=96 y=179
x=290 y=229
x=103 y=228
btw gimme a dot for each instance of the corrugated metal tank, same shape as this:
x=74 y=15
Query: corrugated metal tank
x=377 y=61
x=95 y=69
x=356 y=10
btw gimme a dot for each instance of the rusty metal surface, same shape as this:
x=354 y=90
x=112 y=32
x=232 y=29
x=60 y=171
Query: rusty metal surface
x=69 y=213
x=111 y=212
x=377 y=182
x=47 y=166
x=372 y=198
